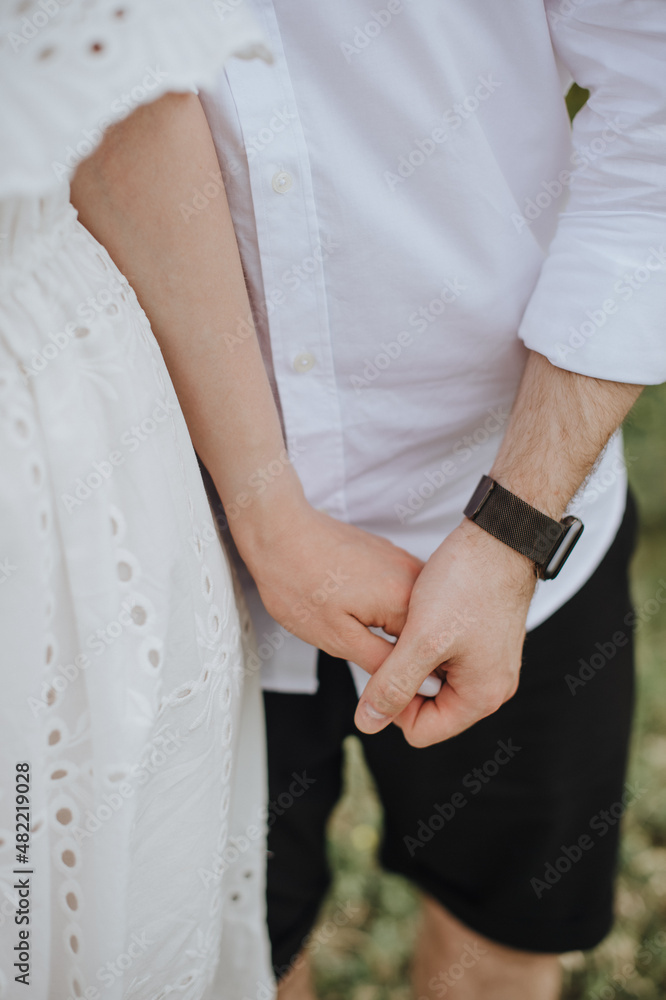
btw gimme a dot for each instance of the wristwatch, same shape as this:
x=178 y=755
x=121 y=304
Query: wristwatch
x=548 y=543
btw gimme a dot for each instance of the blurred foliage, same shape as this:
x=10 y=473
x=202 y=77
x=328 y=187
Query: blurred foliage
x=576 y=99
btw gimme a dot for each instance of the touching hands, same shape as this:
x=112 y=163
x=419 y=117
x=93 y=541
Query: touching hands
x=462 y=615
x=466 y=617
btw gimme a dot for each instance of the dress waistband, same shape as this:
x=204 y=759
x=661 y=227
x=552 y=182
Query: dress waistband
x=30 y=227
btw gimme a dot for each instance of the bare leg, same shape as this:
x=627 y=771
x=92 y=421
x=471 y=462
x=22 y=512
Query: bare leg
x=297 y=984
x=453 y=961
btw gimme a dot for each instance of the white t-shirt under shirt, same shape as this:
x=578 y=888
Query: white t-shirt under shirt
x=413 y=213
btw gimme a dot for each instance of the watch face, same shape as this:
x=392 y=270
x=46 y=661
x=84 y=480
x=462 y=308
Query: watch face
x=479 y=497
x=564 y=549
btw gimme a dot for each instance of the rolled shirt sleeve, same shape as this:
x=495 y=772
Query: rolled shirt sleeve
x=599 y=306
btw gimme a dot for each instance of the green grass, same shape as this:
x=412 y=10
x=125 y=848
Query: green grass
x=368 y=958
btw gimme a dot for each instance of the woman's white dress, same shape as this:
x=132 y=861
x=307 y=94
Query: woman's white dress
x=122 y=677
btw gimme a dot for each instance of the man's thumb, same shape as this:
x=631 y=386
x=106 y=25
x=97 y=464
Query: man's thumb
x=391 y=687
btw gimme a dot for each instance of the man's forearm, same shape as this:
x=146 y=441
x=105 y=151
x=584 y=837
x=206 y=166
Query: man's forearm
x=560 y=423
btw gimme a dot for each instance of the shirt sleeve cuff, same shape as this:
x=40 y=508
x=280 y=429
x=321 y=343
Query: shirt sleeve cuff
x=599 y=306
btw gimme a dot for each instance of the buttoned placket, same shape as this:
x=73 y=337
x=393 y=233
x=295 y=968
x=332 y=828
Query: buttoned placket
x=290 y=243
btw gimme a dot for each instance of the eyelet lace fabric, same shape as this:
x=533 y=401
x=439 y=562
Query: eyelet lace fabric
x=71 y=68
x=124 y=681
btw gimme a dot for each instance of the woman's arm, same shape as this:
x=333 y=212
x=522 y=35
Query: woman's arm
x=188 y=277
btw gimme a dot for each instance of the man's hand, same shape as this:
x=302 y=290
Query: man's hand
x=327 y=581
x=467 y=620
x=468 y=609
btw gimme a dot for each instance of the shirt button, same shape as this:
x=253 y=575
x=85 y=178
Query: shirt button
x=304 y=362
x=282 y=182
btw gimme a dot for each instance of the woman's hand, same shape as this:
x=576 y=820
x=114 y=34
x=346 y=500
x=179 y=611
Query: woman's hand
x=327 y=581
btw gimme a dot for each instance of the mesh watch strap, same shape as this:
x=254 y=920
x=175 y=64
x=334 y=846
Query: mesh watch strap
x=514 y=522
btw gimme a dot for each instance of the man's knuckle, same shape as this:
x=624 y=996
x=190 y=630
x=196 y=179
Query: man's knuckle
x=413 y=566
x=512 y=688
x=431 y=648
x=397 y=593
x=346 y=631
x=417 y=741
x=390 y=694
x=492 y=700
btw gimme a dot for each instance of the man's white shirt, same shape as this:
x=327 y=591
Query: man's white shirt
x=413 y=212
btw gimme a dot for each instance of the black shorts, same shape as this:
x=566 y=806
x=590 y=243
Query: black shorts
x=513 y=824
